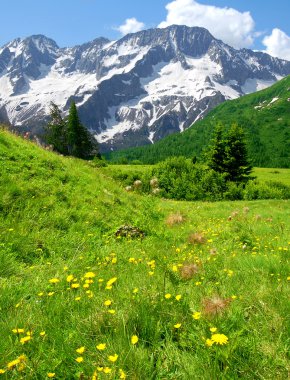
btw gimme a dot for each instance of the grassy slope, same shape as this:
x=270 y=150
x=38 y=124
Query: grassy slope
x=267 y=129
x=58 y=217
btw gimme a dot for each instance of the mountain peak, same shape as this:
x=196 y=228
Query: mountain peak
x=133 y=91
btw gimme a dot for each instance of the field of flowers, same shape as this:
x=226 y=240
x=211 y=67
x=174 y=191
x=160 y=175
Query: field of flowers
x=196 y=291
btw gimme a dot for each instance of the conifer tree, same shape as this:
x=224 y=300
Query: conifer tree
x=80 y=142
x=216 y=153
x=228 y=154
x=237 y=165
x=55 y=131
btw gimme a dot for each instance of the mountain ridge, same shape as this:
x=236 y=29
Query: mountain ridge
x=132 y=91
x=264 y=115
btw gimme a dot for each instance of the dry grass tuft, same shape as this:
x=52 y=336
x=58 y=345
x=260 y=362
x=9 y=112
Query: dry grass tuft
x=197 y=238
x=173 y=219
x=188 y=270
x=215 y=305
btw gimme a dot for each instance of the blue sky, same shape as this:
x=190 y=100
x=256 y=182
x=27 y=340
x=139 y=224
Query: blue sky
x=71 y=22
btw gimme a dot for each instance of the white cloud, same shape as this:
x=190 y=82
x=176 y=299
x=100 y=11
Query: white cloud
x=131 y=25
x=231 y=26
x=278 y=44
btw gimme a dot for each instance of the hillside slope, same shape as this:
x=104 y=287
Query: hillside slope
x=265 y=116
x=201 y=296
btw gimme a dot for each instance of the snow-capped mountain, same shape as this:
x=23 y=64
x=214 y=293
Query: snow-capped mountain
x=132 y=91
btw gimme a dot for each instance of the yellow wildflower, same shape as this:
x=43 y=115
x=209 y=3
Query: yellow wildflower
x=54 y=280
x=80 y=350
x=25 y=339
x=111 y=281
x=134 y=339
x=111 y=311
x=108 y=303
x=213 y=329
x=177 y=325
x=42 y=333
x=18 y=331
x=2 y=371
x=107 y=370
x=13 y=363
x=113 y=358
x=69 y=278
x=209 y=342
x=75 y=286
x=101 y=346
x=178 y=297
x=50 y=294
x=167 y=296
x=79 y=359
x=51 y=374
x=219 y=339
x=196 y=315
x=122 y=374
x=90 y=275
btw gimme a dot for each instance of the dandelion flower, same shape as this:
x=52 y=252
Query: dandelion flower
x=3 y=371
x=213 y=329
x=42 y=333
x=107 y=370
x=113 y=358
x=51 y=374
x=69 y=278
x=134 y=339
x=209 y=342
x=178 y=297
x=90 y=275
x=219 y=339
x=122 y=374
x=108 y=303
x=50 y=294
x=177 y=325
x=111 y=281
x=196 y=315
x=80 y=350
x=25 y=339
x=111 y=311
x=101 y=346
x=75 y=286
x=18 y=331
x=13 y=363
x=54 y=280
x=167 y=296
x=79 y=359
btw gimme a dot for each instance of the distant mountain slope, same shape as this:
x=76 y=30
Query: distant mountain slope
x=133 y=91
x=265 y=115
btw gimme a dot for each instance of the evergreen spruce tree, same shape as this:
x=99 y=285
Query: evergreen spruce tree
x=236 y=163
x=216 y=153
x=80 y=142
x=55 y=131
x=228 y=154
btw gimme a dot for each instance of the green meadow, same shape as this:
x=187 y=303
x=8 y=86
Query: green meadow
x=199 y=290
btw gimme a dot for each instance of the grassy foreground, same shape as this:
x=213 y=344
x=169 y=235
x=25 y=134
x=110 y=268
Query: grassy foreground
x=204 y=295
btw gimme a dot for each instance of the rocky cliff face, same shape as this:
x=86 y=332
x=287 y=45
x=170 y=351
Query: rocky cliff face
x=133 y=91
